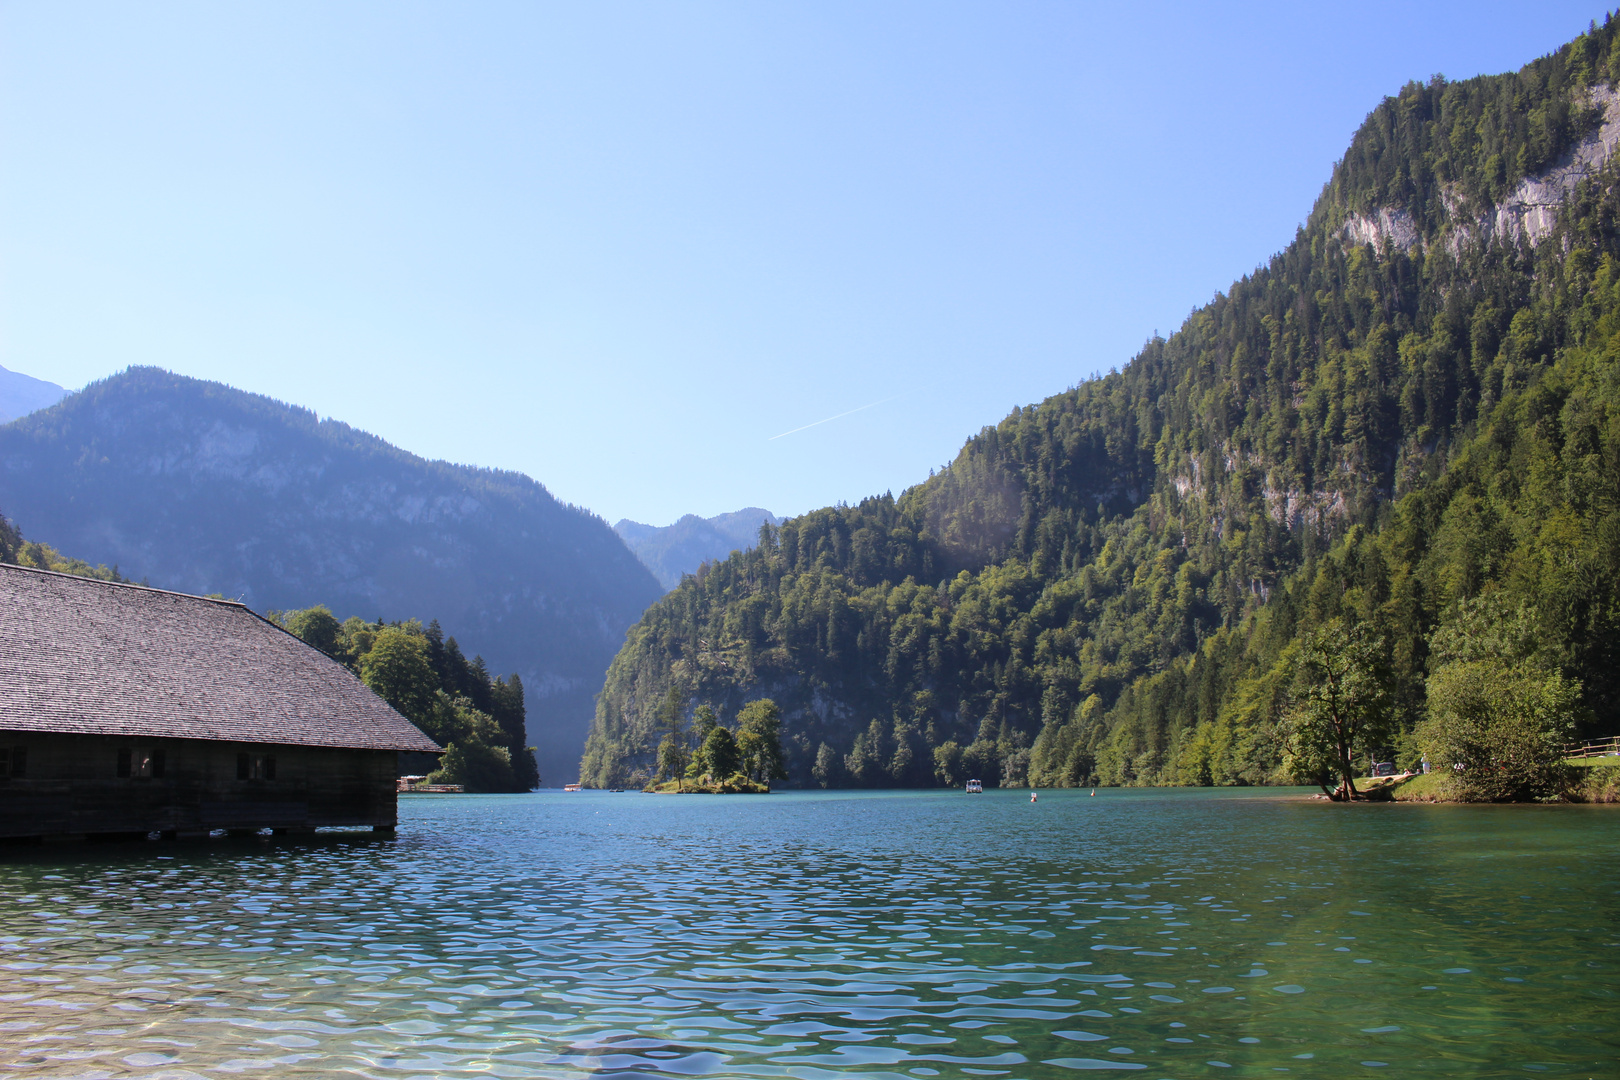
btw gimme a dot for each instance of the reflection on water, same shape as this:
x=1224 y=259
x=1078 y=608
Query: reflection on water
x=1169 y=933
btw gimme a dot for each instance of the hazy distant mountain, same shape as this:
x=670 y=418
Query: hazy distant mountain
x=692 y=541
x=199 y=487
x=22 y=394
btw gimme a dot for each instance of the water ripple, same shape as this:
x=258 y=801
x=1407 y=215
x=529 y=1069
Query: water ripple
x=812 y=936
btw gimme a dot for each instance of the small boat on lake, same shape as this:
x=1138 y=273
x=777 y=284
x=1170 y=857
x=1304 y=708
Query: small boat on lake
x=974 y=787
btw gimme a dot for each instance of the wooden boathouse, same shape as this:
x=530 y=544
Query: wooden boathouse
x=126 y=710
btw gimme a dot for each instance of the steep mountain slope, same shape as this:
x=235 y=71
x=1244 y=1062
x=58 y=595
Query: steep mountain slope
x=1412 y=404
x=202 y=488
x=22 y=394
x=692 y=541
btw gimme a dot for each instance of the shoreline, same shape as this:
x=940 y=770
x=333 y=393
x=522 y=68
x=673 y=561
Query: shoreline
x=736 y=785
x=1594 y=783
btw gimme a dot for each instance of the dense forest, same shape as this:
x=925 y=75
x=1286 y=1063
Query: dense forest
x=1411 y=411
x=477 y=718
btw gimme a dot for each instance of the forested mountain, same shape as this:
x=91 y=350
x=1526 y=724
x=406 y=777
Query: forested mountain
x=198 y=487
x=1416 y=403
x=22 y=394
x=681 y=548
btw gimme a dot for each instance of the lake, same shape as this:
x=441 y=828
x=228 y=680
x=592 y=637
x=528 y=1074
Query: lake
x=1158 y=933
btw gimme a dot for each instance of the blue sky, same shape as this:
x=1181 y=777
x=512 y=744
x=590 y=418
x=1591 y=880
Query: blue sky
x=627 y=248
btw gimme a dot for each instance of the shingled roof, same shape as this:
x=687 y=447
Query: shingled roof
x=80 y=656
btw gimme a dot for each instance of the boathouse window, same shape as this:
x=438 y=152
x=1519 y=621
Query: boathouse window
x=14 y=762
x=255 y=767
x=139 y=763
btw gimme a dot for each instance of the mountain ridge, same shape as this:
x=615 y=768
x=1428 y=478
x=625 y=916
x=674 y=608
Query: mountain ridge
x=22 y=394
x=674 y=550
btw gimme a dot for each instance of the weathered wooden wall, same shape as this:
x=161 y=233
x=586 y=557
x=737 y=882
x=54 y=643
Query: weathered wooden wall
x=70 y=787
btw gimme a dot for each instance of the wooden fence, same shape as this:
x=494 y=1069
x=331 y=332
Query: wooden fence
x=1591 y=748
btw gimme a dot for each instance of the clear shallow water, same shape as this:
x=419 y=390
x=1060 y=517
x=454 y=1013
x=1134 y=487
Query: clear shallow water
x=1147 y=933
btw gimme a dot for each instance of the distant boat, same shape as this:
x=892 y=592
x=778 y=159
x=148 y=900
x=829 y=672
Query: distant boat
x=570 y=787
x=974 y=787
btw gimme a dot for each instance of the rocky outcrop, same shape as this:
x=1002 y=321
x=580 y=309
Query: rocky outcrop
x=1394 y=228
x=1529 y=213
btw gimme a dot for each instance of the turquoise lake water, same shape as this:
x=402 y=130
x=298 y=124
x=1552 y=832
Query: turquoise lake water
x=1172 y=933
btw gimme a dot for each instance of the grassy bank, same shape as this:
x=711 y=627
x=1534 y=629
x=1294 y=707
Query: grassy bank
x=1598 y=780
x=1592 y=780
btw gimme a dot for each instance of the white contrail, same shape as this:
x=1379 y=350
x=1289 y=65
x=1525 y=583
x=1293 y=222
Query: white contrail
x=830 y=419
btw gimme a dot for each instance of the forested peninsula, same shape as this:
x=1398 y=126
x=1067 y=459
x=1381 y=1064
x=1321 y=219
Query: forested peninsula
x=1402 y=434
x=479 y=719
